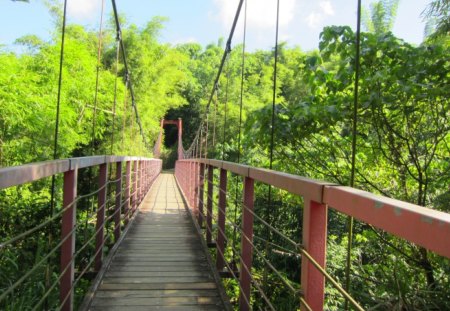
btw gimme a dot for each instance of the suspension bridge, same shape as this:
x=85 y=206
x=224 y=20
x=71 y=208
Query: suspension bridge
x=170 y=240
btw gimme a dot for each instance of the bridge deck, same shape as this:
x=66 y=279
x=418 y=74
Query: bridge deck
x=161 y=263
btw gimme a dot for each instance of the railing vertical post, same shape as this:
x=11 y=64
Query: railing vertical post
x=117 y=207
x=126 y=210
x=246 y=244
x=99 y=227
x=209 y=205
x=192 y=183
x=201 y=194
x=314 y=242
x=196 y=190
x=68 y=246
x=135 y=187
x=139 y=181
x=220 y=260
x=147 y=175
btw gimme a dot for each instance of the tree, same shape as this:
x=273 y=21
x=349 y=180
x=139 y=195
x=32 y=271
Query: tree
x=380 y=17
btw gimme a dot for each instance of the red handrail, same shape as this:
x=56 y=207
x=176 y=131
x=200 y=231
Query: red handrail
x=145 y=172
x=416 y=224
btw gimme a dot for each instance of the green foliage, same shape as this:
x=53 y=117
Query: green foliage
x=402 y=141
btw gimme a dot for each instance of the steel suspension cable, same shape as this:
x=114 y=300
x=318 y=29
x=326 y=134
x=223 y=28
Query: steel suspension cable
x=128 y=73
x=118 y=38
x=222 y=62
x=353 y=163
x=272 y=128
x=214 y=127
x=225 y=110
x=56 y=135
x=240 y=119
x=99 y=53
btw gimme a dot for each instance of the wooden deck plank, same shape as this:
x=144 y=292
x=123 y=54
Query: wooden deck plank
x=161 y=263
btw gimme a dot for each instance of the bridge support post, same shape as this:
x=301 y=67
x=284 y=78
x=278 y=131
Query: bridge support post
x=314 y=242
x=68 y=236
x=246 y=245
x=201 y=194
x=220 y=258
x=141 y=181
x=135 y=188
x=117 y=207
x=126 y=210
x=196 y=189
x=209 y=205
x=99 y=227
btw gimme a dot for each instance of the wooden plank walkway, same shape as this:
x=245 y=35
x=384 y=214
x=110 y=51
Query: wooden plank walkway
x=161 y=263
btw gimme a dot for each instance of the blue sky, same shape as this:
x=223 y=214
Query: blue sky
x=204 y=21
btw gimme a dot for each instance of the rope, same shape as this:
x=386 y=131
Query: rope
x=353 y=163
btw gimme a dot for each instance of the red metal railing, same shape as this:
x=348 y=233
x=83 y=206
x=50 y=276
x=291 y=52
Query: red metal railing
x=130 y=189
x=414 y=223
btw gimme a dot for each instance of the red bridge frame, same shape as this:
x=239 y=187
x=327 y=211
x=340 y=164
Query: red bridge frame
x=422 y=226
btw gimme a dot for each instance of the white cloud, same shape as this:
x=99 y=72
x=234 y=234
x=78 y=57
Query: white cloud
x=327 y=8
x=85 y=10
x=185 y=40
x=316 y=17
x=261 y=14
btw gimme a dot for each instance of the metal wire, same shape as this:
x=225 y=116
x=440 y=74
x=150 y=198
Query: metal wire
x=36 y=266
x=354 y=132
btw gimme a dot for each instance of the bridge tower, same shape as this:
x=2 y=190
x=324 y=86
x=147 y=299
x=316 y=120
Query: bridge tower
x=157 y=148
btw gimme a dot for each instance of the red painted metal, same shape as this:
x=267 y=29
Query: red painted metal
x=118 y=200
x=209 y=205
x=134 y=204
x=179 y=124
x=246 y=245
x=99 y=227
x=220 y=260
x=195 y=190
x=141 y=182
x=420 y=225
x=314 y=242
x=201 y=194
x=127 y=205
x=414 y=223
x=180 y=139
x=68 y=246
x=13 y=176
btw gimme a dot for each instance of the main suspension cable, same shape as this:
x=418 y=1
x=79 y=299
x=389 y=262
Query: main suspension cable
x=128 y=73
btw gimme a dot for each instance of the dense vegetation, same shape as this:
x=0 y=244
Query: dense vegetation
x=403 y=137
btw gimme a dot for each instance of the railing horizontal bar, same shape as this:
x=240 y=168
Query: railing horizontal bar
x=289 y=182
x=423 y=226
x=17 y=175
x=417 y=224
